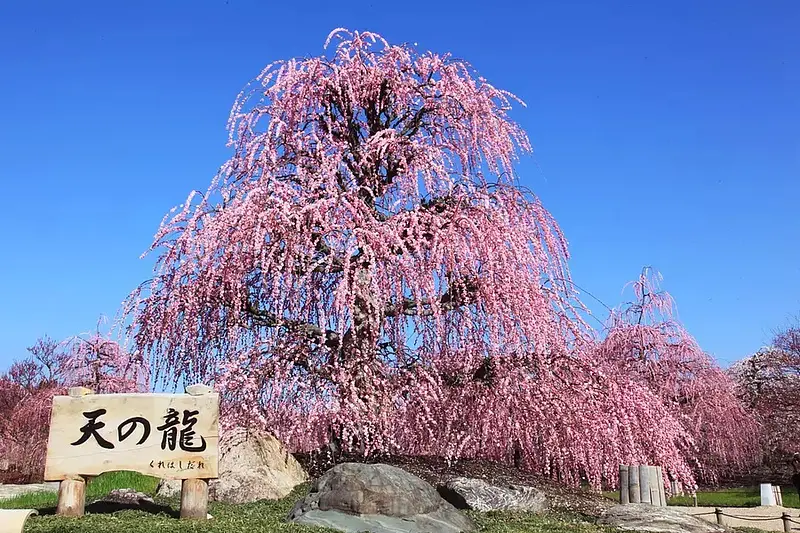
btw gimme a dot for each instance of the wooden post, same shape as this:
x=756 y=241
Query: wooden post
x=198 y=389
x=624 y=495
x=673 y=488
x=72 y=491
x=194 y=492
x=718 y=512
x=694 y=498
x=787 y=525
x=77 y=392
x=633 y=484
x=71 y=497
x=776 y=491
x=194 y=499
x=644 y=484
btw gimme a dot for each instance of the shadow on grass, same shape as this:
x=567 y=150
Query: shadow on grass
x=101 y=507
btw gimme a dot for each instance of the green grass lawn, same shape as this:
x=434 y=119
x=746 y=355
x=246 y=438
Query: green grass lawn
x=264 y=516
x=736 y=497
x=97 y=488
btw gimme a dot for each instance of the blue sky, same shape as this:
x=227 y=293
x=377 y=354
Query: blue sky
x=665 y=134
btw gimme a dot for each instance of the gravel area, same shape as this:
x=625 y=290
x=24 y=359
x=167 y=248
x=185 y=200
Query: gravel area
x=9 y=491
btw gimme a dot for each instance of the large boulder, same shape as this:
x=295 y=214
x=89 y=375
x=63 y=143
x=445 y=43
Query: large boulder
x=478 y=495
x=377 y=498
x=646 y=517
x=252 y=466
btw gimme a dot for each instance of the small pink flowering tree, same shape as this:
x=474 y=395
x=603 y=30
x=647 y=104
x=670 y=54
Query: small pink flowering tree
x=27 y=390
x=365 y=268
x=645 y=342
x=100 y=363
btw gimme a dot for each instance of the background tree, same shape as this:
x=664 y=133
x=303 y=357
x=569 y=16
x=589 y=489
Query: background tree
x=365 y=267
x=645 y=341
x=26 y=392
x=769 y=384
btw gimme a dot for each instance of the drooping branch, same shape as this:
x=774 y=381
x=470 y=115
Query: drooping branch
x=459 y=295
x=307 y=330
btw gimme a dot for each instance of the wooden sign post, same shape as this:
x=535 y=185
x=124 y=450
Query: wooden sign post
x=172 y=436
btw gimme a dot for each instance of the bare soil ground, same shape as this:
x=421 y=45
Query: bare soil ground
x=750 y=516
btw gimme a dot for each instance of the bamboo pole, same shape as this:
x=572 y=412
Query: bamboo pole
x=776 y=493
x=644 y=484
x=633 y=484
x=655 y=494
x=624 y=489
x=662 y=491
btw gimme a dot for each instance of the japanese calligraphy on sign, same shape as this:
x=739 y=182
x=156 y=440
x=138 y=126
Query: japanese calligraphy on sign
x=165 y=435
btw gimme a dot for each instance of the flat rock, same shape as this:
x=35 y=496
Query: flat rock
x=126 y=497
x=478 y=495
x=646 y=517
x=252 y=466
x=169 y=488
x=377 y=498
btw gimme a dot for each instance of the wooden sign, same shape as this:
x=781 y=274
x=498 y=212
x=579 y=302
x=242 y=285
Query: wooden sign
x=173 y=436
